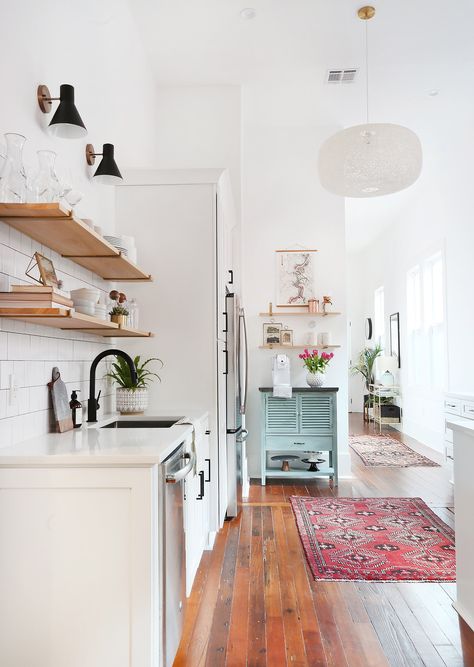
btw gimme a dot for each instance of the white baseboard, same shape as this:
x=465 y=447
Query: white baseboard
x=211 y=539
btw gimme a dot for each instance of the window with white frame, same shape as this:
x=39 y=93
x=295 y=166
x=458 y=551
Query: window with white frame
x=379 y=316
x=426 y=351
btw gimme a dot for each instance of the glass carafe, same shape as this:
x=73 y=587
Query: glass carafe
x=45 y=186
x=12 y=175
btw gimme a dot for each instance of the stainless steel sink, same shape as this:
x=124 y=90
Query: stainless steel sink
x=143 y=423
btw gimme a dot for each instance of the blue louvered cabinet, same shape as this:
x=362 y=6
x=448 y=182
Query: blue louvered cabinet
x=304 y=423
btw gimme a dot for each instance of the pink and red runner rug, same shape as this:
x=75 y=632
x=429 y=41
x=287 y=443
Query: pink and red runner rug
x=374 y=539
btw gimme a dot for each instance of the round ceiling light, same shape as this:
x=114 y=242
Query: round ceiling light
x=370 y=160
x=248 y=13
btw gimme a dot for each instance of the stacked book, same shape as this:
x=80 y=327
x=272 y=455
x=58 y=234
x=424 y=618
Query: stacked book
x=33 y=296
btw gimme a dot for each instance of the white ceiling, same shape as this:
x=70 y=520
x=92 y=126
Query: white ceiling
x=415 y=46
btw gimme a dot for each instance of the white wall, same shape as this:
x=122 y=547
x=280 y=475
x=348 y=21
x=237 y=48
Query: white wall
x=283 y=205
x=439 y=216
x=94 y=46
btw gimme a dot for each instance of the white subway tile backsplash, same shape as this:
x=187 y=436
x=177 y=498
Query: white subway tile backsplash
x=28 y=352
x=6 y=370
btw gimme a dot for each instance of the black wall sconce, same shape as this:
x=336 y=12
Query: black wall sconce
x=66 y=122
x=107 y=172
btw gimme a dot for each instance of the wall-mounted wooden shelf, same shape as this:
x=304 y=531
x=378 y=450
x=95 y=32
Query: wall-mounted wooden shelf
x=285 y=313
x=298 y=347
x=62 y=318
x=56 y=227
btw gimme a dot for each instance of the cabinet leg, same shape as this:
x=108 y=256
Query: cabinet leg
x=263 y=481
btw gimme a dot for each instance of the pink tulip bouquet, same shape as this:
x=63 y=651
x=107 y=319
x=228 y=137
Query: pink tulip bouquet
x=315 y=362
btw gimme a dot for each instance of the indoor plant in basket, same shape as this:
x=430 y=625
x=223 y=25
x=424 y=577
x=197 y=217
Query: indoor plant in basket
x=132 y=397
x=316 y=365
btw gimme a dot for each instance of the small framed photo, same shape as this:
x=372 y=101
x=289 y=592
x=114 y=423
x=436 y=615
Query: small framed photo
x=286 y=337
x=46 y=269
x=271 y=333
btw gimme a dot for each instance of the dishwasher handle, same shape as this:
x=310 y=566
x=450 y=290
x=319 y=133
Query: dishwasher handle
x=181 y=474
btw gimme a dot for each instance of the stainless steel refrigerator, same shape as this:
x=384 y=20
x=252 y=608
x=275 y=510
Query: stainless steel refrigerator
x=236 y=390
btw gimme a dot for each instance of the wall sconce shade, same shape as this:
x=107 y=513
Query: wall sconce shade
x=66 y=122
x=107 y=173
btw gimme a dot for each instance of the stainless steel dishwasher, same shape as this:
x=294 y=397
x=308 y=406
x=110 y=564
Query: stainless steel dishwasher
x=173 y=554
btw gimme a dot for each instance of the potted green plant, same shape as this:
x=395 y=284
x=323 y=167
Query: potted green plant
x=119 y=315
x=366 y=362
x=132 y=397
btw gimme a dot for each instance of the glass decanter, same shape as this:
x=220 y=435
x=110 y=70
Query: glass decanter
x=45 y=186
x=13 y=175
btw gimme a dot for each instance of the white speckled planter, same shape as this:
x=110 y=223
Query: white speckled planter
x=315 y=379
x=131 y=402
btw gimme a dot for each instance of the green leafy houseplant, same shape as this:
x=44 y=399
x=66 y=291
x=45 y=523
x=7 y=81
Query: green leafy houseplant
x=132 y=396
x=119 y=310
x=121 y=373
x=366 y=362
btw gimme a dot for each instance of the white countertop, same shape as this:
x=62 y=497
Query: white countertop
x=93 y=446
x=461 y=424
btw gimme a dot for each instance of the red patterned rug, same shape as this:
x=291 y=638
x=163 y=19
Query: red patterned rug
x=374 y=539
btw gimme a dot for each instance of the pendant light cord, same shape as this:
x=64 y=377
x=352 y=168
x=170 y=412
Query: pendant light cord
x=367 y=71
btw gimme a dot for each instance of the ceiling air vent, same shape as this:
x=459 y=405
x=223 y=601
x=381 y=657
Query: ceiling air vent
x=341 y=75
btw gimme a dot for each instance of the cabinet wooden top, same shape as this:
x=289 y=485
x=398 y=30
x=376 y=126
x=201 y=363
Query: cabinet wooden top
x=305 y=389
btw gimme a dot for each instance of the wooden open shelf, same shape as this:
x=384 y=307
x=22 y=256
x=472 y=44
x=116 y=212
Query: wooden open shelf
x=285 y=313
x=56 y=227
x=298 y=347
x=62 y=318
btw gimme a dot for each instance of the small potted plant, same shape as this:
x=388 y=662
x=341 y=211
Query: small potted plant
x=316 y=365
x=119 y=315
x=132 y=397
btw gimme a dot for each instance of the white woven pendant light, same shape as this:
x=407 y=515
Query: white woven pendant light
x=373 y=159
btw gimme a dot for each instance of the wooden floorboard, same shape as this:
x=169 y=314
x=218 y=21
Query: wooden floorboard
x=255 y=603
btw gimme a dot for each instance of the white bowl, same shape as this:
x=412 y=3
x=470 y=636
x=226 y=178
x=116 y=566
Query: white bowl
x=86 y=294
x=85 y=310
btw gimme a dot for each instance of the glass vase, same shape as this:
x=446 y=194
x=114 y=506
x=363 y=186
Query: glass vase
x=13 y=175
x=45 y=186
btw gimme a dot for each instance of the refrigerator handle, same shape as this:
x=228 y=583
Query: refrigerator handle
x=243 y=398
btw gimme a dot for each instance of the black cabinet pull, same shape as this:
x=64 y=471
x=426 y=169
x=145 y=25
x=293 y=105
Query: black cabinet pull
x=201 y=482
x=208 y=433
x=208 y=461
x=231 y=273
x=226 y=328
x=226 y=372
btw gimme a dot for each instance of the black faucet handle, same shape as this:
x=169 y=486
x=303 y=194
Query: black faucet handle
x=97 y=404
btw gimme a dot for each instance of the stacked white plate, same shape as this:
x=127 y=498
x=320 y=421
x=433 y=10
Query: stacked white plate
x=117 y=242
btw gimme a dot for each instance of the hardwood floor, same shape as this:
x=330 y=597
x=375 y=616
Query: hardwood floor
x=254 y=602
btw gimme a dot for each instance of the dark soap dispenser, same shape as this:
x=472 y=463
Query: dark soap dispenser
x=76 y=408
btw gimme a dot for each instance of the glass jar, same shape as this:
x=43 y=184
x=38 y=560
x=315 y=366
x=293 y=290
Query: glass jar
x=133 y=314
x=12 y=175
x=45 y=186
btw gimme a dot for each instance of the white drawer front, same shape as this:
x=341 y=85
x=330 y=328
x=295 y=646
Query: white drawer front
x=453 y=406
x=448 y=435
x=468 y=409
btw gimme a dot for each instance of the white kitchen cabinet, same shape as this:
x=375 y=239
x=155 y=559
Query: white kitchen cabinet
x=183 y=223
x=79 y=564
x=197 y=507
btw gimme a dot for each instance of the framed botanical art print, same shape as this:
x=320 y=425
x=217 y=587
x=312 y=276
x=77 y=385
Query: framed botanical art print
x=271 y=333
x=295 y=277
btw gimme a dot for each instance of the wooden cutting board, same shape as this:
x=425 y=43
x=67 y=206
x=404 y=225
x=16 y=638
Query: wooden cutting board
x=62 y=411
